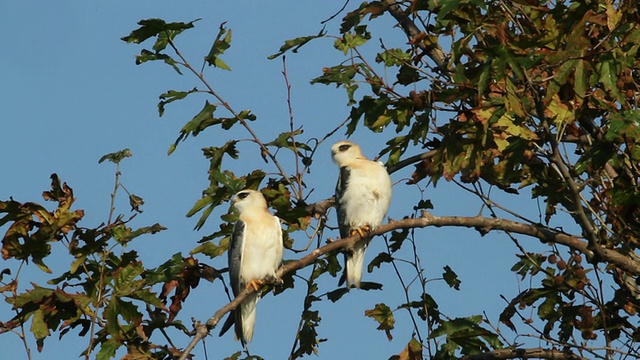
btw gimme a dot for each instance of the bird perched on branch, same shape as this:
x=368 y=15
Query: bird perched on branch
x=363 y=194
x=255 y=252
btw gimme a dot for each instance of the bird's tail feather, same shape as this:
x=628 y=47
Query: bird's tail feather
x=354 y=263
x=246 y=318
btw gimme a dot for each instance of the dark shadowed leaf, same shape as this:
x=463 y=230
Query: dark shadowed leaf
x=153 y=27
x=451 y=278
x=337 y=294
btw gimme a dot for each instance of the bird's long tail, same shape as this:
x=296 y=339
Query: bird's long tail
x=355 y=263
x=246 y=318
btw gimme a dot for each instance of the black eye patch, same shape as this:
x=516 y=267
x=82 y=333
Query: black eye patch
x=243 y=195
x=344 y=147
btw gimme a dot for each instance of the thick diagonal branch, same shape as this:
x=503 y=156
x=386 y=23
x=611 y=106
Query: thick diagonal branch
x=534 y=353
x=434 y=51
x=482 y=224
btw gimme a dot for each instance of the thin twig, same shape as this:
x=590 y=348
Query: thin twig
x=226 y=105
x=298 y=176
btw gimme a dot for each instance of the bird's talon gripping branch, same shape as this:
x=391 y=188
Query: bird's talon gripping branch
x=255 y=284
x=363 y=230
x=274 y=280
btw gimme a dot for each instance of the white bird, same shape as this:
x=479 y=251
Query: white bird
x=363 y=194
x=255 y=252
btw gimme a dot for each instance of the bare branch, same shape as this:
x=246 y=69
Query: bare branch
x=482 y=224
x=535 y=353
x=321 y=207
x=581 y=217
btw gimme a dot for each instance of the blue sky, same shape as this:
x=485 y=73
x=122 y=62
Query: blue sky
x=71 y=92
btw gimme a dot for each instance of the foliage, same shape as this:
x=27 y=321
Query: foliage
x=503 y=95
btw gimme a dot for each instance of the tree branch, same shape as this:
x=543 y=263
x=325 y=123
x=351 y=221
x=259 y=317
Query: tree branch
x=434 y=51
x=535 y=353
x=589 y=229
x=411 y=160
x=482 y=224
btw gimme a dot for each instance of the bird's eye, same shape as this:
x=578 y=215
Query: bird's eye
x=243 y=195
x=344 y=147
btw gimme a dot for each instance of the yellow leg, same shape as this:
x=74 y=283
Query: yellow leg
x=255 y=284
x=361 y=230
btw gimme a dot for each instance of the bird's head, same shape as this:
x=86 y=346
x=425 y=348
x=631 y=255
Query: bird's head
x=247 y=198
x=344 y=151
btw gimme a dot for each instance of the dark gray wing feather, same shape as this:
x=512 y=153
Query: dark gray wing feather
x=231 y=319
x=341 y=187
x=235 y=259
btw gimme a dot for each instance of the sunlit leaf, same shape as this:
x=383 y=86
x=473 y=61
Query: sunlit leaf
x=171 y=96
x=220 y=45
x=384 y=316
x=296 y=44
x=116 y=157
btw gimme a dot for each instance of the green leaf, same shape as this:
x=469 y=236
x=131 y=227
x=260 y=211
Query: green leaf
x=108 y=349
x=212 y=250
x=220 y=45
x=624 y=126
x=339 y=75
x=483 y=79
x=384 y=316
x=128 y=311
x=199 y=205
x=125 y=279
x=446 y=7
x=352 y=40
x=153 y=27
x=124 y=234
x=201 y=121
x=394 y=57
x=116 y=157
x=171 y=96
x=548 y=307
x=286 y=140
x=609 y=79
x=296 y=44
x=528 y=264
x=146 y=55
x=39 y=326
